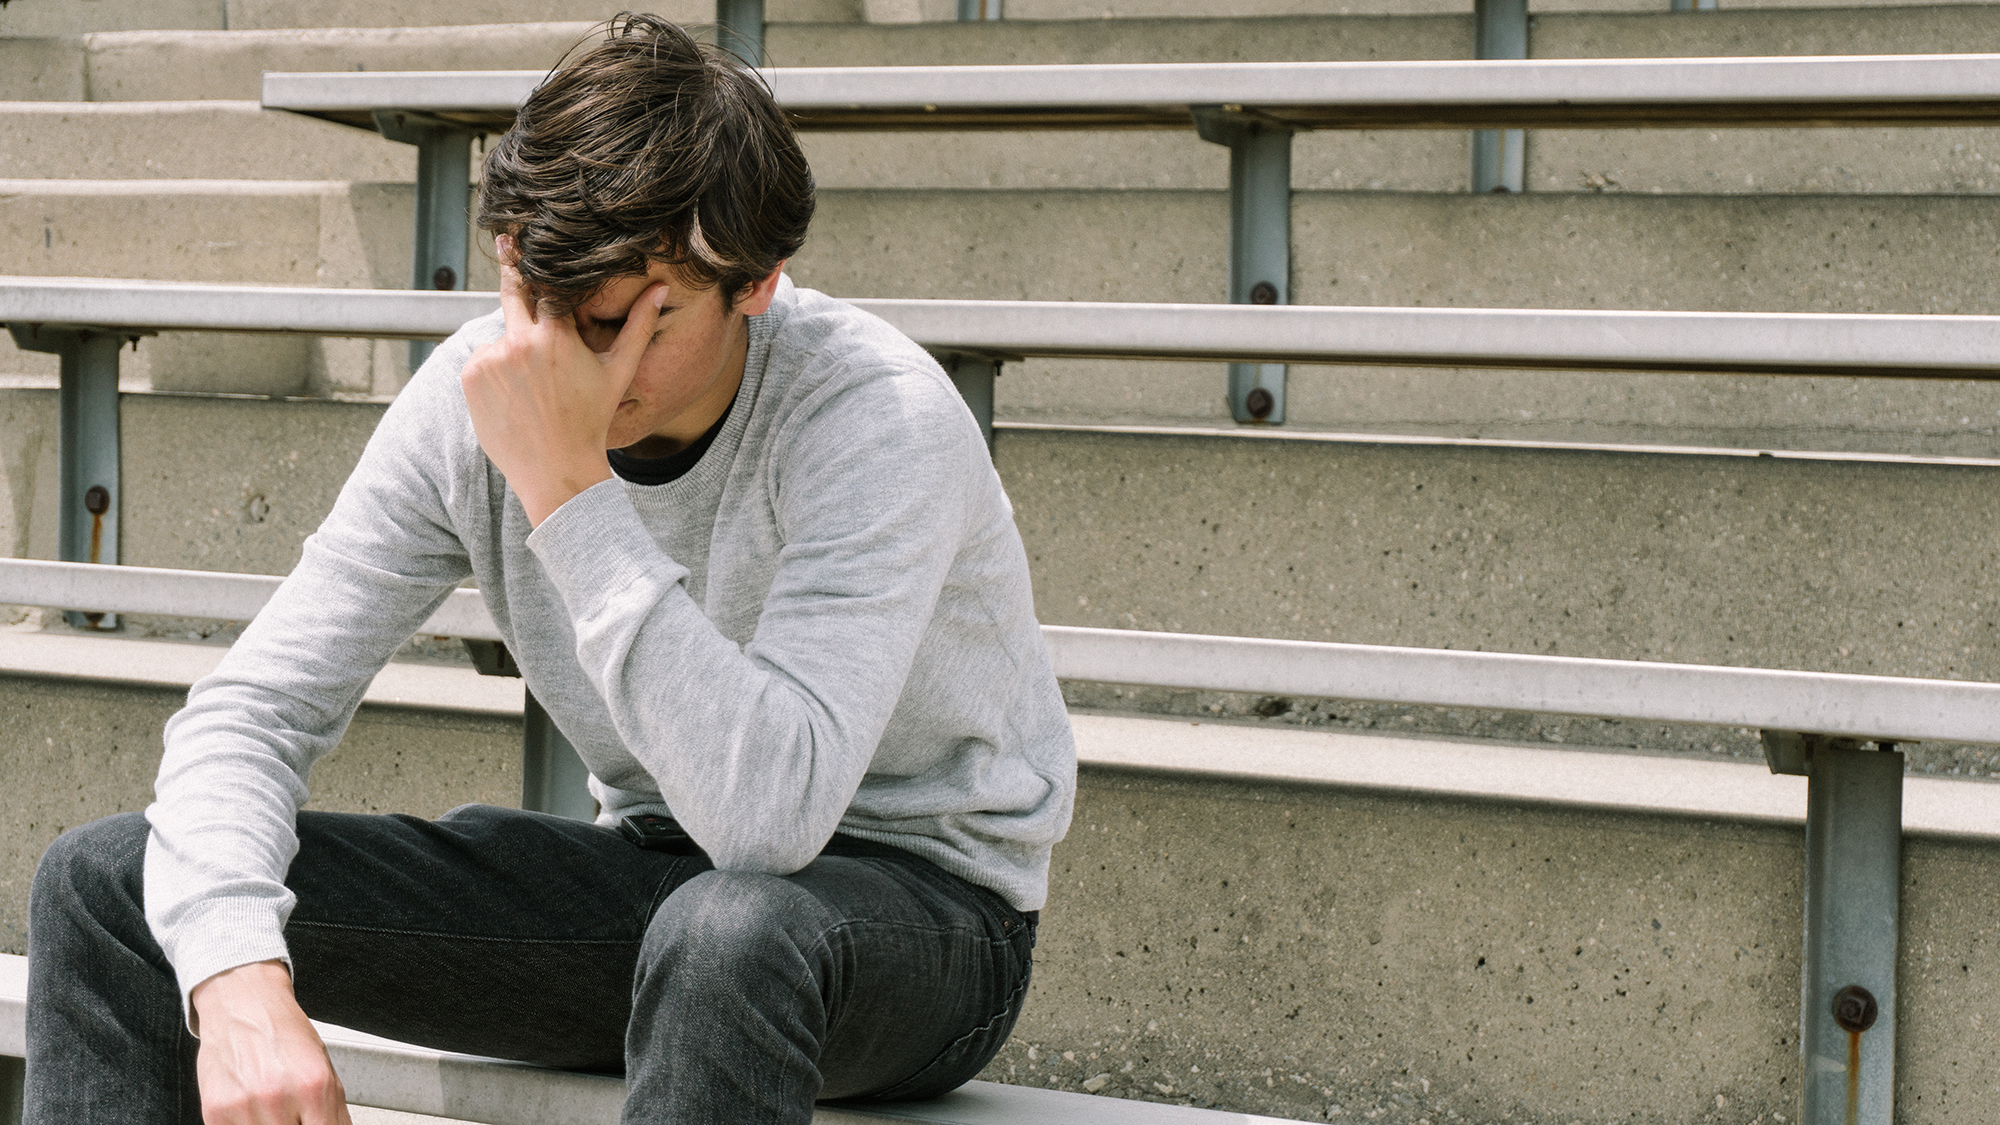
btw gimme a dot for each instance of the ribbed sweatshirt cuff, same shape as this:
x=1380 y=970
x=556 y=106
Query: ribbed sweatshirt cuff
x=217 y=936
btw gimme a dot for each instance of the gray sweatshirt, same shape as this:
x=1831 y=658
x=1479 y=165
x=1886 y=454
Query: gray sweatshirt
x=826 y=624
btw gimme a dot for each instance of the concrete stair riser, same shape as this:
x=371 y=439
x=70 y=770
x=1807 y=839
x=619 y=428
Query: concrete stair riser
x=237 y=140
x=324 y=233
x=202 y=140
x=1866 y=568
x=1282 y=948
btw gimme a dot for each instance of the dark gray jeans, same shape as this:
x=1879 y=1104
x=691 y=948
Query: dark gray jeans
x=722 y=996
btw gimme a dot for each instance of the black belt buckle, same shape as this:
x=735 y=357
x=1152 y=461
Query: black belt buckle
x=658 y=834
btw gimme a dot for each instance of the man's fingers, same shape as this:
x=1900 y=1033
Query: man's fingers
x=516 y=304
x=640 y=322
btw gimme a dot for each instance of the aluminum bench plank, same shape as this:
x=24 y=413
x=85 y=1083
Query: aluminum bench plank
x=390 y=1075
x=1789 y=91
x=1890 y=707
x=1561 y=339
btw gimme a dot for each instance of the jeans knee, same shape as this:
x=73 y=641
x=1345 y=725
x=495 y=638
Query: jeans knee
x=736 y=918
x=91 y=866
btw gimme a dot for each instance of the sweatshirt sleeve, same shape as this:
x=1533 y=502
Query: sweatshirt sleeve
x=237 y=756
x=760 y=749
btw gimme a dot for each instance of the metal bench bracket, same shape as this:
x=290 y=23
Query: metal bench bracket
x=973 y=375
x=739 y=28
x=444 y=194
x=1499 y=156
x=86 y=445
x=1260 y=240
x=553 y=779
x=1847 y=1007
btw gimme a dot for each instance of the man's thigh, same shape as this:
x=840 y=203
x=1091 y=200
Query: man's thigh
x=916 y=975
x=489 y=931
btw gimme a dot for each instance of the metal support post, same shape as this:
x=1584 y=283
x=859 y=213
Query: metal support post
x=973 y=375
x=972 y=11
x=444 y=195
x=86 y=446
x=739 y=27
x=1260 y=241
x=13 y=1089
x=1847 y=1008
x=1499 y=156
x=553 y=778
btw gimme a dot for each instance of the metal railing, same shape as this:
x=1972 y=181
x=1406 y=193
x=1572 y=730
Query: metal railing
x=1252 y=108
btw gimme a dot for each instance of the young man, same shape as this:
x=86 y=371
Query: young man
x=789 y=609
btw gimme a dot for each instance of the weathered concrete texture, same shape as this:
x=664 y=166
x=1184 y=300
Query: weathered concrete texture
x=1873 y=568
x=1871 y=30
x=192 y=502
x=271 y=14
x=242 y=505
x=43 y=140
x=1754 y=161
x=1793 y=253
x=1709 y=162
x=1319 y=954
x=1122 y=41
x=42 y=69
x=73 y=752
x=325 y=233
x=74 y=17
x=149 y=66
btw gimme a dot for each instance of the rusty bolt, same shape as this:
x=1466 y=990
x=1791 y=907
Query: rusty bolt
x=1854 y=1008
x=96 y=500
x=1259 y=403
x=1263 y=293
x=445 y=278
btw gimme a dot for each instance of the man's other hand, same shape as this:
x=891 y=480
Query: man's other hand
x=261 y=1062
x=542 y=401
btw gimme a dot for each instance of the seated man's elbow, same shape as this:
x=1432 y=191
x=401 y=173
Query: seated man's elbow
x=778 y=850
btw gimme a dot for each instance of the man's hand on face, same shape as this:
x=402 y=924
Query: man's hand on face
x=261 y=1062
x=542 y=401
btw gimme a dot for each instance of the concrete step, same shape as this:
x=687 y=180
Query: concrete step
x=278 y=232
x=151 y=66
x=236 y=140
x=1768 y=562
x=201 y=140
x=1236 y=902
x=1917 y=254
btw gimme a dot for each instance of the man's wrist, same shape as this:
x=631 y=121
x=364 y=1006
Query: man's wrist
x=550 y=489
x=258 y=982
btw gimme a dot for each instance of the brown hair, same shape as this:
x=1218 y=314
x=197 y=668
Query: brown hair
x=646 y=147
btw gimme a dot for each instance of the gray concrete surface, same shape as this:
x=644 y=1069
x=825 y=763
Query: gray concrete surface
x=325 y=233
x=74 y=752
x=1867 y=568
x=45 y=140
x=73 y=17
x=243 y=505
x=1327 y=955
x=151 y=66
x=1288 y=949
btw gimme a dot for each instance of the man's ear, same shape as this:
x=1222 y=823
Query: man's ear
x=757 y=299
